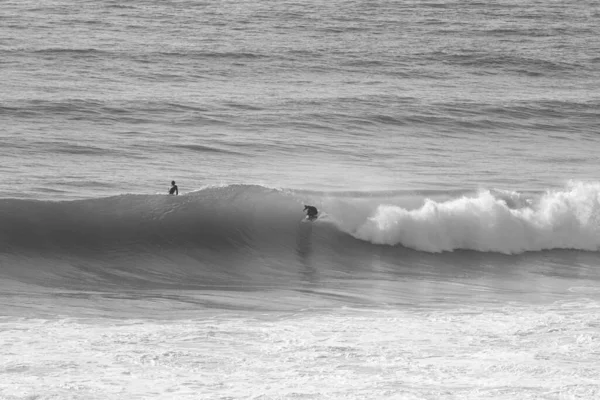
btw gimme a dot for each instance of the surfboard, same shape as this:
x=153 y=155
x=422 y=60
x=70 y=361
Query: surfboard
x=309 y=218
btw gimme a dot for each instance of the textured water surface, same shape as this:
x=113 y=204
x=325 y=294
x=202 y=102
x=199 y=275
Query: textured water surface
x=450 y=146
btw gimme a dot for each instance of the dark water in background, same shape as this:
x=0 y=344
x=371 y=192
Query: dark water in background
x=104 y=98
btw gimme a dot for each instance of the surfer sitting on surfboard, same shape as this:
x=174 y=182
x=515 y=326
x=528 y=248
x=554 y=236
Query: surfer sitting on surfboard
x=174 y=190
x=311 y=212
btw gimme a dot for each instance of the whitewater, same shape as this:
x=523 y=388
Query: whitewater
x=450 y=147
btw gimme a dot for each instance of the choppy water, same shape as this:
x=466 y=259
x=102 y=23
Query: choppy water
x=452 y=148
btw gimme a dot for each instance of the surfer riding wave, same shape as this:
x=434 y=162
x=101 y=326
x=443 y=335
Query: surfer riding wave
x=311 y=212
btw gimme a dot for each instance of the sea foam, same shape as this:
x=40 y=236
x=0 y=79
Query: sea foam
x=557 y=219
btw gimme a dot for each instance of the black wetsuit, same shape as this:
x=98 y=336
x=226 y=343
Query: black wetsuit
x=174 y=190
x=311 y=212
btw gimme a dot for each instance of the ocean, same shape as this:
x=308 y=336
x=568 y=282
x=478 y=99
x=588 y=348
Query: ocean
x=451 y=147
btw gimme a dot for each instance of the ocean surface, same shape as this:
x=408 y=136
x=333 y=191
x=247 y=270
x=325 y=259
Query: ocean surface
x=451 y=147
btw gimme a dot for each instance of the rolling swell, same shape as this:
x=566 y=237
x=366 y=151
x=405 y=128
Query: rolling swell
x=220 y=236
x=244 y=235
x=253 y=216
x=211 y=218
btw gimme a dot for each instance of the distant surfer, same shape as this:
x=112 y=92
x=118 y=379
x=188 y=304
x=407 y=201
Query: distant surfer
x=174 y=190
x=311 y=212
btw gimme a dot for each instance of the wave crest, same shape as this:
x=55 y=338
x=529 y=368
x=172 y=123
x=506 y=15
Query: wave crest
x=245 y=218
x=492 y=222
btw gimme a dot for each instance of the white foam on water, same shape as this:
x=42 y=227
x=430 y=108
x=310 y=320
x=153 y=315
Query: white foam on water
x=502 y=352
x=559 y=219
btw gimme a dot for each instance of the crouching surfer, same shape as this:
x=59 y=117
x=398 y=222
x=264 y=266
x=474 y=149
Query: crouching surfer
x=311 y=212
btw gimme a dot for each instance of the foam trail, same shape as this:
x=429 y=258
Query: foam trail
x=565 y=219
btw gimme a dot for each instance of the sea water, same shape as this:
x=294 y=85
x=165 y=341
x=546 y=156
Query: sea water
x=450 y=146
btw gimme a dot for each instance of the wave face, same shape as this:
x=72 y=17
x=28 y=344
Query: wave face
x=236 y=215
x=210 y=218
x=242 y=234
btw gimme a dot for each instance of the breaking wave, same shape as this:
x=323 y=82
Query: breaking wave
x=492 y=222
x=246 y=216
x=244 y=237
